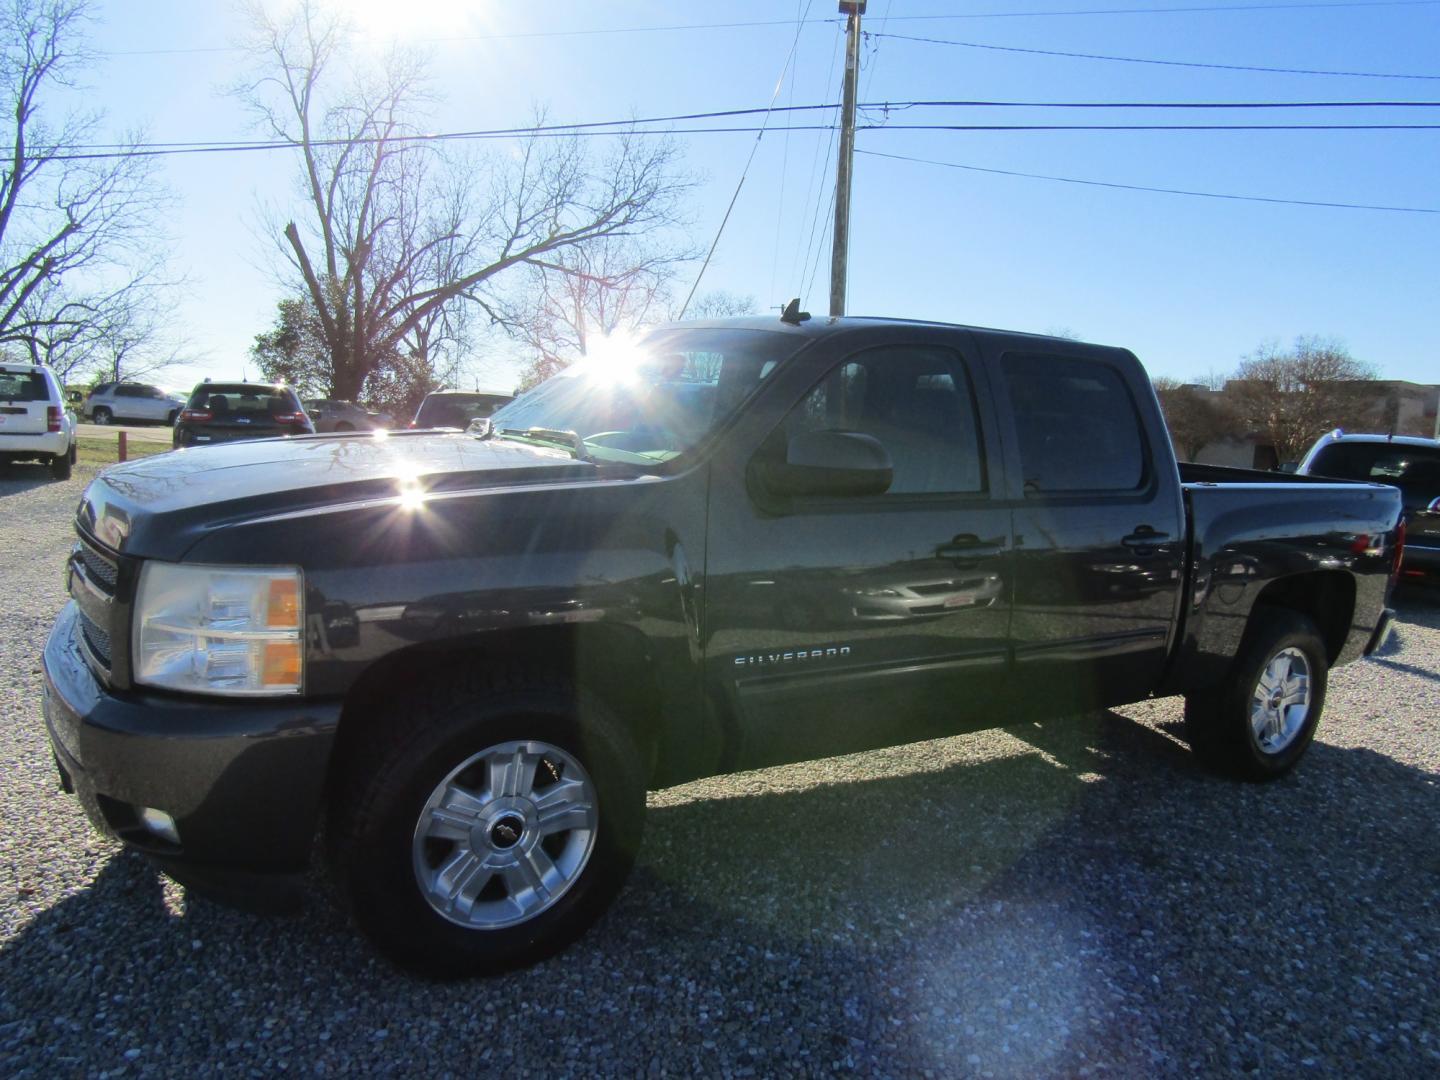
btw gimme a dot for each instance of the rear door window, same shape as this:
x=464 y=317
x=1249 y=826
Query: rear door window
x=1077 y=426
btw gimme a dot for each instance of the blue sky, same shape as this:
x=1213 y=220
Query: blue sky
x=1190 y=284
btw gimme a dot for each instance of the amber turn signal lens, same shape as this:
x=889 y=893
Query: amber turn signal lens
x=282 y=664
x=284 y=609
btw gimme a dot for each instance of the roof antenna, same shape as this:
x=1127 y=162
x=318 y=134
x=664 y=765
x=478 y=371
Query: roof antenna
x=792 y=313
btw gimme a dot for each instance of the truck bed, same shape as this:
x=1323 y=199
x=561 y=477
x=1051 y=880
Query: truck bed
x=1195 y=473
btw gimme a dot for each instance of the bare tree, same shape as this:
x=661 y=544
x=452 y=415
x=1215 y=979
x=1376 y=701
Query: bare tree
x=612 y=285
x=1292 y=396
x=720 y=304
x=72 y=225
x=395 y=238
x=1195 y=415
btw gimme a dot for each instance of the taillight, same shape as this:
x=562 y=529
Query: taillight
x=53 y=419
x=196 y=416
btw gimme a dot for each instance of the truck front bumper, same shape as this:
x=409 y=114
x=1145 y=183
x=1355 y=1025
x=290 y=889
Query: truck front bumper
x=242 y=781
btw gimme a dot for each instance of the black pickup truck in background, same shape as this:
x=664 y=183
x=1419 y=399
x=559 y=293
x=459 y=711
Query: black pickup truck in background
x=727 y=545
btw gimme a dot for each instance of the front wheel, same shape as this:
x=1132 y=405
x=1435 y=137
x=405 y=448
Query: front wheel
x=488 y=828
x=1261 y=719
x=101 y=415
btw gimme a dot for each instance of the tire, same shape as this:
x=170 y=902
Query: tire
x=101 y=415
x=171 y=417
x=1236 y=727
x=60 y=464
x=419 y=809
x=343 y=425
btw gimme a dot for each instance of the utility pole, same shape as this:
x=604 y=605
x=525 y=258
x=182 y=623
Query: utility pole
x=840 y=251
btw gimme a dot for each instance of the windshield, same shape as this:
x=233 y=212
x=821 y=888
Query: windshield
x=650 y=400
x=1415 y=470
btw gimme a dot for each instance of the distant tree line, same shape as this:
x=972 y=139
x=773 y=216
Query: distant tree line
x=1288 y=397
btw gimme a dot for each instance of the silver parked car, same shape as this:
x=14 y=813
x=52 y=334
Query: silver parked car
x=112 y=402
x=330 y=415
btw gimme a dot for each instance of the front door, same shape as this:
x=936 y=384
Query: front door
x=842 y=623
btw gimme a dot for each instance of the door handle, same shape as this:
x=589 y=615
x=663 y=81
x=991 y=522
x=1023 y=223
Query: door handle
x=1144 y=538
x=968 y=546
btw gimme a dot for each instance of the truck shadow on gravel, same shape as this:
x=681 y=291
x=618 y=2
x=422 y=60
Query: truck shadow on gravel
x=1034 y=903
x=16 y=479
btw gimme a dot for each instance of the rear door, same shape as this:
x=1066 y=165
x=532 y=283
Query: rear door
x=836 y=624
x=1099 y=525
x=25 y=400
x=129 y=402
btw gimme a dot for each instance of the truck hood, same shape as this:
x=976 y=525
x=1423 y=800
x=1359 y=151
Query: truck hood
x=158 y=506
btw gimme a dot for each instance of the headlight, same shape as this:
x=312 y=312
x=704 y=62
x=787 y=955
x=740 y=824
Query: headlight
x=219 y=629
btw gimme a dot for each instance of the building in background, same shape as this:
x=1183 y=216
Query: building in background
x=1387 y=406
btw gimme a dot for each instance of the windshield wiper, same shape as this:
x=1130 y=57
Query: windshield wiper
x=569 y=439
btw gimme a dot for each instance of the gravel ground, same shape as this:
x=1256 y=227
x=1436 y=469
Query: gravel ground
x=1061 y=899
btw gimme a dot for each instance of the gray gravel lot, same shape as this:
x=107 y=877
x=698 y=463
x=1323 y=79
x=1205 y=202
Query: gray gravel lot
x=1061 y=899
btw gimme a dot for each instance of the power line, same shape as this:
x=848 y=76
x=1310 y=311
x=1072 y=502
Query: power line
x=1143 y=127
x=1188 y=10
x=661 y=28
x=817 y=178
x=1147 y=60
x=785 y=159
x=632 y=125
x=902 y=105
x=741 y=130
x=1161 y=190
x=760 y=134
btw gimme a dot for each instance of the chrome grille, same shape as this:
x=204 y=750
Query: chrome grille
x=98 y=568
x=95 y=637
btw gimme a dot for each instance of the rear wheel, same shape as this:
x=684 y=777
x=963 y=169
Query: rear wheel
x=60 y=464
x=171 y=417
x=101 y=415
x=489 y=826
x=1261 y=719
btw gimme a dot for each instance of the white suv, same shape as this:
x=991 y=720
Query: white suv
x=110 y=401
x=34 y=423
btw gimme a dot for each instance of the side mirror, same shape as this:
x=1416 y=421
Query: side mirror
x=316 y=414
x=836 y=463
x=74 y=397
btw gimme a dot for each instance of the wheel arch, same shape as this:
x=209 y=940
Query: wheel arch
x=613 y=662
x=1326 y=597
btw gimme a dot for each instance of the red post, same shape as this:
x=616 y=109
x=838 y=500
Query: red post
x=122 y=445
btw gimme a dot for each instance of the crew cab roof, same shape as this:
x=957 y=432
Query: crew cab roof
x=818 y=326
